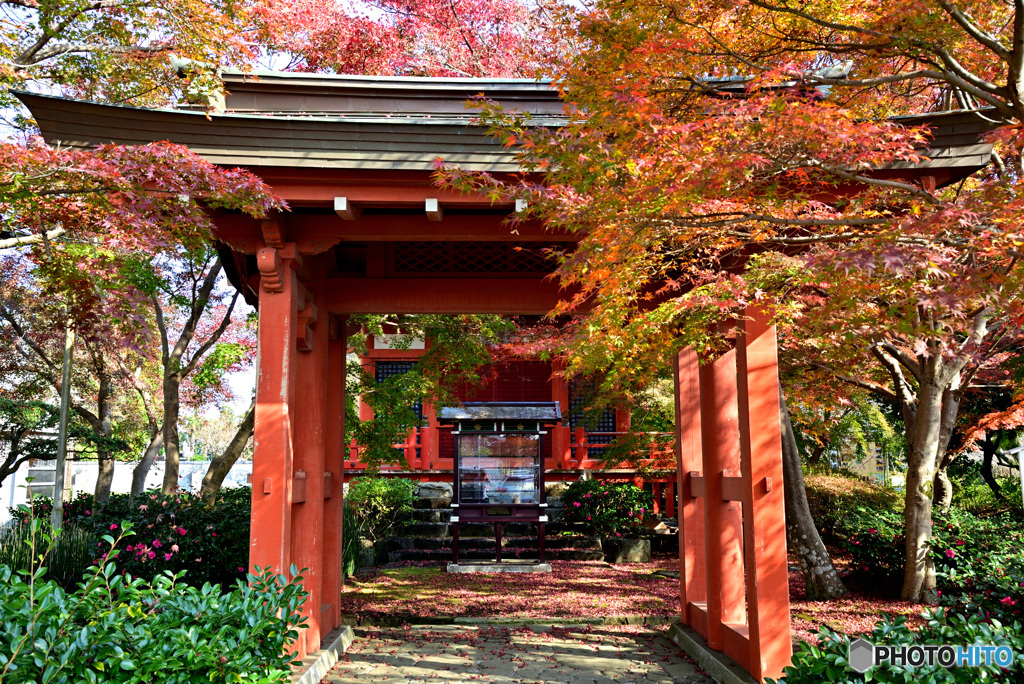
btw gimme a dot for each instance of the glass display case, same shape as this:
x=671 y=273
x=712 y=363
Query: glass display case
x=499 y=465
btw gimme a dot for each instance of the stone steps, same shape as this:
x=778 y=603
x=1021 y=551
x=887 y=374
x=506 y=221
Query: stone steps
x=445 y=554
x=442 y=530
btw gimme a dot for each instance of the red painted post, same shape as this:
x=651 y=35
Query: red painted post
x=689 y=458
x=656 y=495
x=763 y=502
x=428 y=446
x=581 y=446
x=270 y=533
x=334 y=454
x=723 y=521
x=670 y=499
x=308 y=439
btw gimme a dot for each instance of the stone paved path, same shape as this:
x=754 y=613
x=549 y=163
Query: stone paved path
x=577 y=654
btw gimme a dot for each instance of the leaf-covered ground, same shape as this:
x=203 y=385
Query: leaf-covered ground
x=578 y=589
x=572 y=589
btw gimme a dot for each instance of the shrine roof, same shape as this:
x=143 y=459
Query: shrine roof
x=276 y=119
x=319 y=121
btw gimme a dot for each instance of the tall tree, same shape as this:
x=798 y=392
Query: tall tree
x=497 y=38
x=724 y=153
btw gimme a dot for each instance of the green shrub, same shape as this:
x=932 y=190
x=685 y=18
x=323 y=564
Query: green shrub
x=834 y=497
x=78 y=509
x=176 y=532
x=607 y=508
x=115 y=628
x=827 y=661
x=73 y=550
x=349 y=542
x=377 y=505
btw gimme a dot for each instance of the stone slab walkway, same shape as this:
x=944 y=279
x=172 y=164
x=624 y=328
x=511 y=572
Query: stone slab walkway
x=509 y=654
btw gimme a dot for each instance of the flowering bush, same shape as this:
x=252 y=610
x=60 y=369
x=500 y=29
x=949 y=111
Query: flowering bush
x=379 y=504
x=179 y=532
x=116 y=629
x=78 y=509
x=608 y=508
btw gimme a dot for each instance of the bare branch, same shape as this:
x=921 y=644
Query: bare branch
x=30 y=239
x=975 y=31
x=225 y=322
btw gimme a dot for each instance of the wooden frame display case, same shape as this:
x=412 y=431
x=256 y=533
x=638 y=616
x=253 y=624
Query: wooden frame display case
x=499 y=466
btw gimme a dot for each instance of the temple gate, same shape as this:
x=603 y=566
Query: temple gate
x=368 y=232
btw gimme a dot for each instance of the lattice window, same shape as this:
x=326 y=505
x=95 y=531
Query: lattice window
x=578 y=392
x=482 y=257
x=511 y=380
x=382 y=370
x=471 y=257
x=421 y=257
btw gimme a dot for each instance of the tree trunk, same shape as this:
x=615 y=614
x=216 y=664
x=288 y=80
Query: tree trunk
x=141 y=471
x=923 y=440
x=172 y=451
x=220 y=465
x=988 y=449
x=942 y=487
x=104 y=408
x=802 y=536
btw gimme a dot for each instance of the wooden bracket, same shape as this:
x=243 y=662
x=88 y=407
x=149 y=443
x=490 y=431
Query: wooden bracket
x=269 y=263
x=328 y=484
x=299 y=487
x=273 y=232
x=434 y=211
x=345 y=209
x=304 y=327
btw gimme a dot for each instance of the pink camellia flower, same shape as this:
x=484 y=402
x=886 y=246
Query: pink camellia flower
x=950 y=553
x=959 y=542
x=872 y=530
x=88 y=512
x=1007 y=601
x=152 y=555
x=182 y=531
x=157 y=543
x=241 y=569
x=576 y=504
x=215 y=534
x=113 y=526
x=174 y=548
x=588 y=517
x=129 y=547
x=167 y=556
x=618 y=534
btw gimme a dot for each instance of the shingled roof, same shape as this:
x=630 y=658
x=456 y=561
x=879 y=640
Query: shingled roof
x=299 y=120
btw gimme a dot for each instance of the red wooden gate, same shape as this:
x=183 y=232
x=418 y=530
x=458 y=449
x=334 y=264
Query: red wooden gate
x=732 y=547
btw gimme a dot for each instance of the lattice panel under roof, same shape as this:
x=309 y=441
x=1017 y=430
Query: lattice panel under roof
x=470 y=257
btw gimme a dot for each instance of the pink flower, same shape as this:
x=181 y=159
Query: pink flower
x=167 y=556
x=588 y=517
x=959 y=542
x=241 y=569
x=174 y=548
x=1007 y=601
x=152 y=555
x=157 y=543
x=617 y=534
x=182 y=531
x=215 y=534
x=576 y=504
x=951 y=553
x=88 y=512
x=129 y=547
x=113 y=526
x=872 y=530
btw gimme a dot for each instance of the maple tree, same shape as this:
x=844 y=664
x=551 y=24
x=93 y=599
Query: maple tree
x=725 y=153
x=495 y=38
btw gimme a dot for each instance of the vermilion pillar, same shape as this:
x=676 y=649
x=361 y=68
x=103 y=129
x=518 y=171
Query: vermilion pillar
x=723 y=526
x=307 y=541
x=334 y=455
x=767 y=573
x=270 y=536
x=692 y=586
